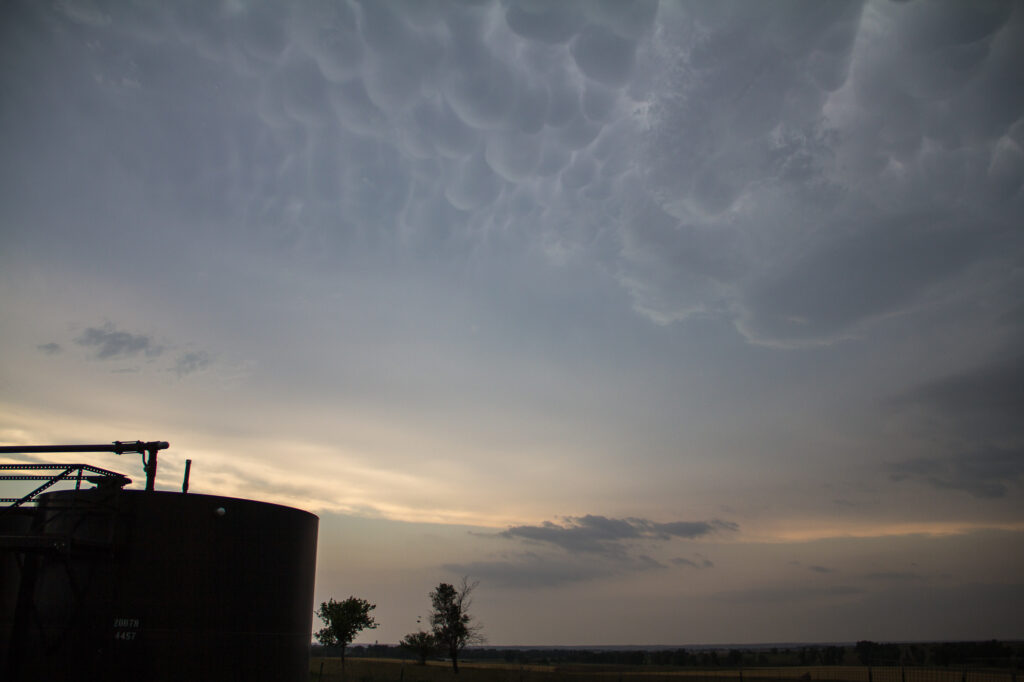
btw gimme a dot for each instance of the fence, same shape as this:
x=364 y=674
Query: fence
x=853 y=673
x=378 y=670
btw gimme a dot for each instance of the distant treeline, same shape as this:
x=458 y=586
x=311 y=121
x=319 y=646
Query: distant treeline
x=990 y=654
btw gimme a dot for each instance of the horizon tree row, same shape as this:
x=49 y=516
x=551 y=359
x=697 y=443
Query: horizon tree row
x=453 y=627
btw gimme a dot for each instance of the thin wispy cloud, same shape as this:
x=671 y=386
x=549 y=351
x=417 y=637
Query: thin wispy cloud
x=790 y=594
x=602 y=535
x=49 y=348
x=697 y=562
x=190 y=362
x=110 y=343
x=894 y=576
x=591 y=547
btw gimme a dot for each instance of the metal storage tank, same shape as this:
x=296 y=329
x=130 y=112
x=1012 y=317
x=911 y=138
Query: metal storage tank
x=147 y=585
x=14 y=522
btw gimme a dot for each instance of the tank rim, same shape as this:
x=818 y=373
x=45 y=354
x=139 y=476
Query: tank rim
x=169 y=494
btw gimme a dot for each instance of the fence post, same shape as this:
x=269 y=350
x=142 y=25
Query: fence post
x=870 y=677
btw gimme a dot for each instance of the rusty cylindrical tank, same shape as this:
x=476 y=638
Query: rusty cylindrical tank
x=139 y=585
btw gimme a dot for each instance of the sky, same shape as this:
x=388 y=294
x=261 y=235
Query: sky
x=667 y=322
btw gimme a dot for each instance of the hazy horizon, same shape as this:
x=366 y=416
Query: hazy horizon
x=666 y=321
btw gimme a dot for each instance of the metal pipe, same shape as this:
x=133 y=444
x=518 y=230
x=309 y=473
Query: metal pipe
x=188 y=468
x=118 y=447
x=148 y=451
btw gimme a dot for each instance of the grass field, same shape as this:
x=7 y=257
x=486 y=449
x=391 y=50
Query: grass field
x=390 y=670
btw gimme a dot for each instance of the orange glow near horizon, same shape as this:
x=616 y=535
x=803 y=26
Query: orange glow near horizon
x=809 y=531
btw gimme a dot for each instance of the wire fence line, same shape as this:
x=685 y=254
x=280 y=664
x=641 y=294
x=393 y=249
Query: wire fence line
x=855 y=673
x=397 y=671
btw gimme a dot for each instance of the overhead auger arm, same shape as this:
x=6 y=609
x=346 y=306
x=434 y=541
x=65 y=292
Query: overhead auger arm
x=147 y=449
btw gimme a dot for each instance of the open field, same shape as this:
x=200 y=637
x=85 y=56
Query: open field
x=390 y=670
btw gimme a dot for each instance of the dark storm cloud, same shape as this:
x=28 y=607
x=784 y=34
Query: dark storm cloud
x=989 y=397
x=929 y=611
x=855 y=181
x=986 y=473
x=806 y=170
x=602 y=535
x=975 y=417
x=736 y=124
x=111 y=343
x=857 y=274
x=311 y=124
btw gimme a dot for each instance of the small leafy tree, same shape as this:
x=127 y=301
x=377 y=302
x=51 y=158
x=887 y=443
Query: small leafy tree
x=420 y=643
x=344 y=620
x=450 y=618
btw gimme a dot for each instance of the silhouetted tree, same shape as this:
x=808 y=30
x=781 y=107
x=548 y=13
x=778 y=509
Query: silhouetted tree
x=420 y=643
x=344 y=620
x=832 y=655
x=866 y=651
x=450 y=618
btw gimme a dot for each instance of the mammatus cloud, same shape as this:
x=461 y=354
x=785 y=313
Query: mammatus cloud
x=804 y=171
x=813 y=191
x=110 y=343
x=334 y=191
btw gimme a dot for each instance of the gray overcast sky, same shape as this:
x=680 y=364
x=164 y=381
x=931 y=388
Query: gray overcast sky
x=669 y=322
